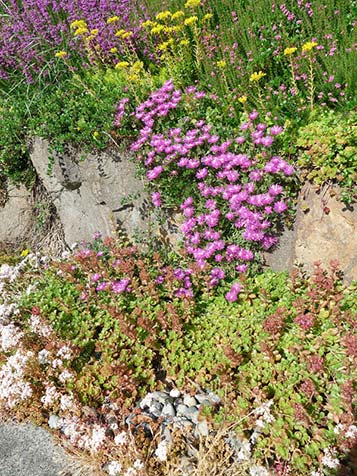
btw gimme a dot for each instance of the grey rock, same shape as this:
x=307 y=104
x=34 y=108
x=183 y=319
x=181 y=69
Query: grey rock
x=202 y=428
x=175 y=393
x=189 y=401
x=155 y=409
x=16 y=215
x=26 y=450
x=181 y=410
x=192 y=414
x=168 y=410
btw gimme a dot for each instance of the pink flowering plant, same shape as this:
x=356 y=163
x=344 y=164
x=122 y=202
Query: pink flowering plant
x=231 y=193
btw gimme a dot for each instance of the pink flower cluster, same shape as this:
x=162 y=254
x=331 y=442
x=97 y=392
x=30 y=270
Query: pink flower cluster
x=233 y=190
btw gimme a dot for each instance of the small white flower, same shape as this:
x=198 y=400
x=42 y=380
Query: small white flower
x=338 y=428
x=65 y=375
x=329 y=460
x=120 y=439
x=351 y=431
x=98 y=436
x=258 y=471
x=131 y=472
x=138 y=464
x=64 y=352
x=114 y=467
x=161 y=451
x=66 y=402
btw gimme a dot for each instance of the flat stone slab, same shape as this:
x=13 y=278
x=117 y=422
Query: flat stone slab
x=26 y=450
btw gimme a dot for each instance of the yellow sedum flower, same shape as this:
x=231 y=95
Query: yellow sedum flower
x=114 y=50
x=157 y=29
x=208 y=16
x=148 y=23
x=177 y=15
x=309 y=45
x=184 y=43
x=81 y=31
x=221 y=64
x=94 y=32
x=192 y=3
x=95 y=134
x=190 y=20
x=243 y=99
x=120 y=33
x=122 y=65
x=113 y=19
x=137 y=66
x=127 y=34
x=256 y=76
x=78 y=24
x=162 y=16
x=289 y=51
x=25 y=252
x=61 y=54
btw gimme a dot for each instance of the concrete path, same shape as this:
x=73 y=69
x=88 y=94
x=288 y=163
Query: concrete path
x=26 y=450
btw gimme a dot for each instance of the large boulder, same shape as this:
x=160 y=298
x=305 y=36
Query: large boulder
x=99 y=193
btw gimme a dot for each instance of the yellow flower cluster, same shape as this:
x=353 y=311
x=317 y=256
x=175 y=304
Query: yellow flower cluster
x=122 y=65
x=191 y=20
x=61 y=54
x=257 y=76
x=162 y=16
x=177 y=15
x=309 y=45
x=81 y=31
x=289 y=51
x=208 y=16
x=123 y=34
x=78 y=24
x=243 y=99
x=112 y=19
x=80 y=27
x=192 y=3
x=221 y=64
x=114 y=49
x=166 y=44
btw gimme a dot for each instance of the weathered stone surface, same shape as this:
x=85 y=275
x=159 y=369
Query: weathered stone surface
x=100 y=193
x=16 y=215
x=326 y=230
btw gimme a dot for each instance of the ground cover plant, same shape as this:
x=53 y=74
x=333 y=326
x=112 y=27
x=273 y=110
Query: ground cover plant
x=227 y=108
x=108 y=323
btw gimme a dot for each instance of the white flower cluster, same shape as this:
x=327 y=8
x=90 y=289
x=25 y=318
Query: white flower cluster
x=329 y=459
x=10 y=337
x=13 y=387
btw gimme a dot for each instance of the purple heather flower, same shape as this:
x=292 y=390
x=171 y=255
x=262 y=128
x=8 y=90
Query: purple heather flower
x=95 y=277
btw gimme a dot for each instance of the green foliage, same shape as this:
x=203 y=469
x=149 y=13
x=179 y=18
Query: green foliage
x=282 y=357
x=327 y=151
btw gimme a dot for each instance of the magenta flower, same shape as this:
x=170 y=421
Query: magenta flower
x=119 y=287
x=154 y=173
x=156 y=199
